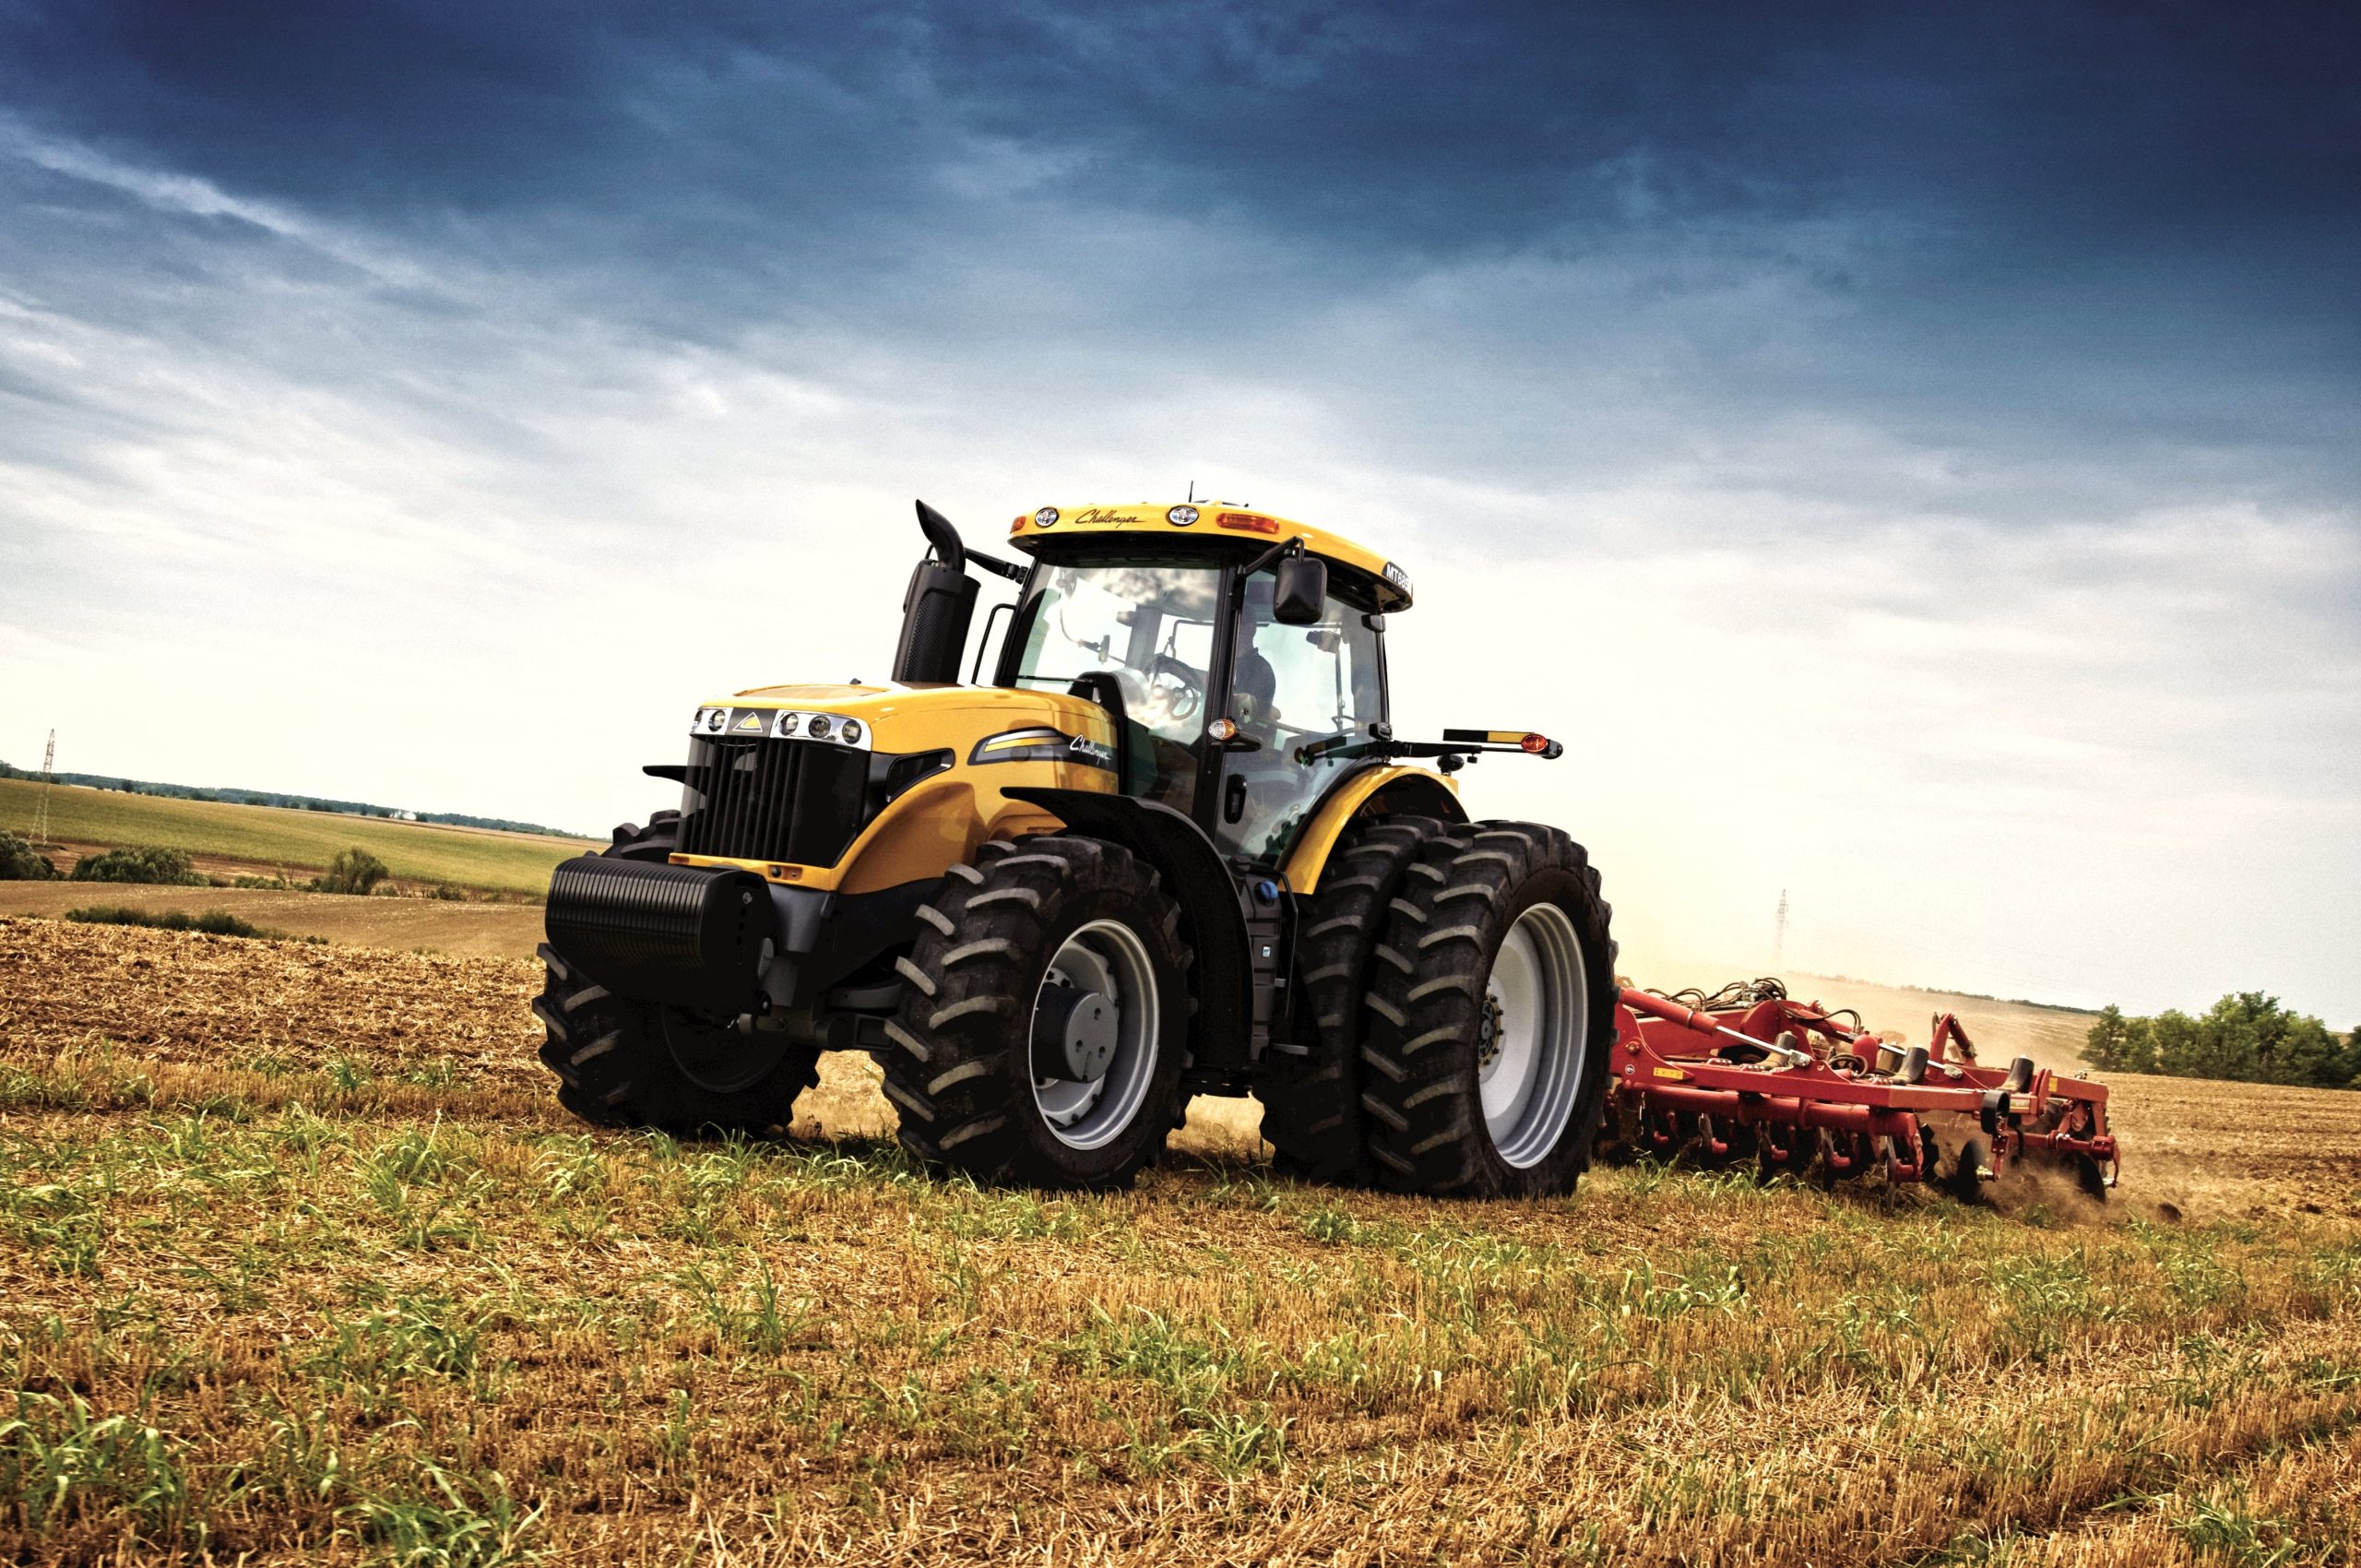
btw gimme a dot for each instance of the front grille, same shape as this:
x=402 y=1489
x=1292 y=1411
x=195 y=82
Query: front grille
x=767 y=799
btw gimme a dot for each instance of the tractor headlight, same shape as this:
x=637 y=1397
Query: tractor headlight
x=819 y=727
x=788 y=723
x=849 y=732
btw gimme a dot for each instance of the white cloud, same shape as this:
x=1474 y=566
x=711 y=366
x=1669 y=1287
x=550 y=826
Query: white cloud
x=186 y=196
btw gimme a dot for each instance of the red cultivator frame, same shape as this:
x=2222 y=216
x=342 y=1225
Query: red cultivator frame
x=1749 y=1073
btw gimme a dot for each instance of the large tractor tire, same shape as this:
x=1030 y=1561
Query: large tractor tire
x=1492 y=1019
x=1044 y=1022
x=622 y=1062
x=655 y=842
x=1311 y=1086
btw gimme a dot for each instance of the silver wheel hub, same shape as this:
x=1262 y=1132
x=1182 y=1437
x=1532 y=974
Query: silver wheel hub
x=1488 y=1033
x=1534 y=1037
x=1075 y=1033
x=1096 y=1022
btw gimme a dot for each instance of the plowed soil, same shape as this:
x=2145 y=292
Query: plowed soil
x=472 y=930
x=300 y=1261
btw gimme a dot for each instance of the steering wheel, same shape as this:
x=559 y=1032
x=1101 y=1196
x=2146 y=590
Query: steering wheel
x=1176 y=686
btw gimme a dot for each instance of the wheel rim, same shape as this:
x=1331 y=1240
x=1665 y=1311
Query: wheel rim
x=719 y=1057
x=1534 y=1036
x=1109 y=957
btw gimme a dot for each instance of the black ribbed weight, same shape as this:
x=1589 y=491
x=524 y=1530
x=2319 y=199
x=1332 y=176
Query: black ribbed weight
x=691 y=936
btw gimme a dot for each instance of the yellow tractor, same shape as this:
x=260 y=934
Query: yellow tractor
x=1171 y=847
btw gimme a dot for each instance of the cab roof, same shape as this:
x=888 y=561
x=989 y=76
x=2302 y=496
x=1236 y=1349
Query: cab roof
x=1212 y=519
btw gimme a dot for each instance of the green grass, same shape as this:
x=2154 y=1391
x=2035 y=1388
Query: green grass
x=270 y=835
x=459 y=1339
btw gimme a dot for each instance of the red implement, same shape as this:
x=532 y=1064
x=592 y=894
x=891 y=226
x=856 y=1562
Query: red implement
x=1750 y=1073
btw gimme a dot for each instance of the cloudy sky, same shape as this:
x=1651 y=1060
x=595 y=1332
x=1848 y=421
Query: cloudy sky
x=1912 y=455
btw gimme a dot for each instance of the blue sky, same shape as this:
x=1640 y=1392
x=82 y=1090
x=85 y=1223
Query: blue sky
x=1945 y=414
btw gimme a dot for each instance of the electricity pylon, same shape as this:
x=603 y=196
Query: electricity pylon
x=40 y=812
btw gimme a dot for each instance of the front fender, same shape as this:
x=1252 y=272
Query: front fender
x=1193 y=870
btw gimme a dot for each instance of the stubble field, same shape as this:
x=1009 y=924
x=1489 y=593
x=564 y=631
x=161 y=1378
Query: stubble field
x=299 y=1261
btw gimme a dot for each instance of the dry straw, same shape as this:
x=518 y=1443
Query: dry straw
x=299 y=1263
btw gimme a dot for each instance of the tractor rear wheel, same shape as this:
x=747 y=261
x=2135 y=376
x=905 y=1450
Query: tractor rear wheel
x=1311 y=1086
x=622 y=1062
x=1492 y=1016
x=1044 y=1018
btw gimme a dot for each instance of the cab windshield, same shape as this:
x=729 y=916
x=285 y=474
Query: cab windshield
x=1148 y=623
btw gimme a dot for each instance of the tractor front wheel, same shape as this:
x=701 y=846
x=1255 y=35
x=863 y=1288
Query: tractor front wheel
x=622 y=1062
x=1044 y=1018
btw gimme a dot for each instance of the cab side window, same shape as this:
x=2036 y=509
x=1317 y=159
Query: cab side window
x=1303 y=694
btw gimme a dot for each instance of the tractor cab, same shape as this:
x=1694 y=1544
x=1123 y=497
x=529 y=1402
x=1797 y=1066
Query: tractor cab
x=1241 y=657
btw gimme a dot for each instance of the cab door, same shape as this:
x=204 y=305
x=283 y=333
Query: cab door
x=1300 y=697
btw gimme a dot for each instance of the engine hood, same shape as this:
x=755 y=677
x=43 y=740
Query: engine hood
x=892 y=718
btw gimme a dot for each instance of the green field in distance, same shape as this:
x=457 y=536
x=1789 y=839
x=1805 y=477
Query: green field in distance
x=299 y=840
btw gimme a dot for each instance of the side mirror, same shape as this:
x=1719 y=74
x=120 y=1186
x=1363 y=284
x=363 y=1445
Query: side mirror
x=1302 y=592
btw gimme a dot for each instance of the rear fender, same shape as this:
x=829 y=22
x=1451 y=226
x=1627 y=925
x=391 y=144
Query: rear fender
x=1385 y=791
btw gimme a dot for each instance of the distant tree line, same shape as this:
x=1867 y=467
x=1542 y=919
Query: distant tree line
x=2247 y=1037
x=20 y=861
x=140 y=863
x=352 y=870
x=273 y=798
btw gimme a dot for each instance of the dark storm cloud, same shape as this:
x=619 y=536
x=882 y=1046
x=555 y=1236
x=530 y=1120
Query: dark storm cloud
x=2104 y=237
x=1996 y=227
x=1448 y=126
x=2047 y=134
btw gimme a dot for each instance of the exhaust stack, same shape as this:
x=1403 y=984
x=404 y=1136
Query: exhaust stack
x=937 y=608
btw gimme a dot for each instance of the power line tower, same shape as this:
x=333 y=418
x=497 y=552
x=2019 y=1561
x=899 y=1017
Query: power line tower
x=1779 y=937
x=41 y=812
